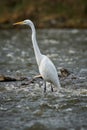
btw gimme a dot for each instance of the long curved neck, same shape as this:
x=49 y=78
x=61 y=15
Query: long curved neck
x=38 y=54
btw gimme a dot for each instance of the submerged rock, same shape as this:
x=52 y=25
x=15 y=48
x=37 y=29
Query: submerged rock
x=64 y=72
x=67 y=79
x=4 y=78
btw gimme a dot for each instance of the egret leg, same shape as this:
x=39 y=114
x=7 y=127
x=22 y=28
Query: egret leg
x=44 y=86
x=51 y=88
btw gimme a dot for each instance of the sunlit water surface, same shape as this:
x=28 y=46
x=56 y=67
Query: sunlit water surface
x=24 y=107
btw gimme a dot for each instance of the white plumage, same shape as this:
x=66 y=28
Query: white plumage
x=48 y=71
x=45 y=65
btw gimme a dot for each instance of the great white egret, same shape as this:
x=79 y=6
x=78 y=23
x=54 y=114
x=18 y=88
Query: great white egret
x=45 y=65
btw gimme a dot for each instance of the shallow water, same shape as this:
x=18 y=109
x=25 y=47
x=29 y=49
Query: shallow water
x=24 y=107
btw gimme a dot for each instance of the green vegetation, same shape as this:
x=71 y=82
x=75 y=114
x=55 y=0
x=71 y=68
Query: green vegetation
x=45 y=13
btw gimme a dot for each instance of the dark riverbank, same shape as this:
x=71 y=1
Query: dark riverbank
x=45 y=13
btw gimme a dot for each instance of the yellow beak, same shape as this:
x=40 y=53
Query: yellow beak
x=20 y=23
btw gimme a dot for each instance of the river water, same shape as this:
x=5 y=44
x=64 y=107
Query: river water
x=27 y=107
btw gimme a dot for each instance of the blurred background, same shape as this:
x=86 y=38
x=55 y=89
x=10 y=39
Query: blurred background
x=62 y=36
x=45 y=13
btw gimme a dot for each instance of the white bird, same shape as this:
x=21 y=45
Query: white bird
x=46 y=67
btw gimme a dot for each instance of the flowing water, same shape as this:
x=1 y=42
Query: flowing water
x=27 y=107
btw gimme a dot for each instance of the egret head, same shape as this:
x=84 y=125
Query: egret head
x=25 y=22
